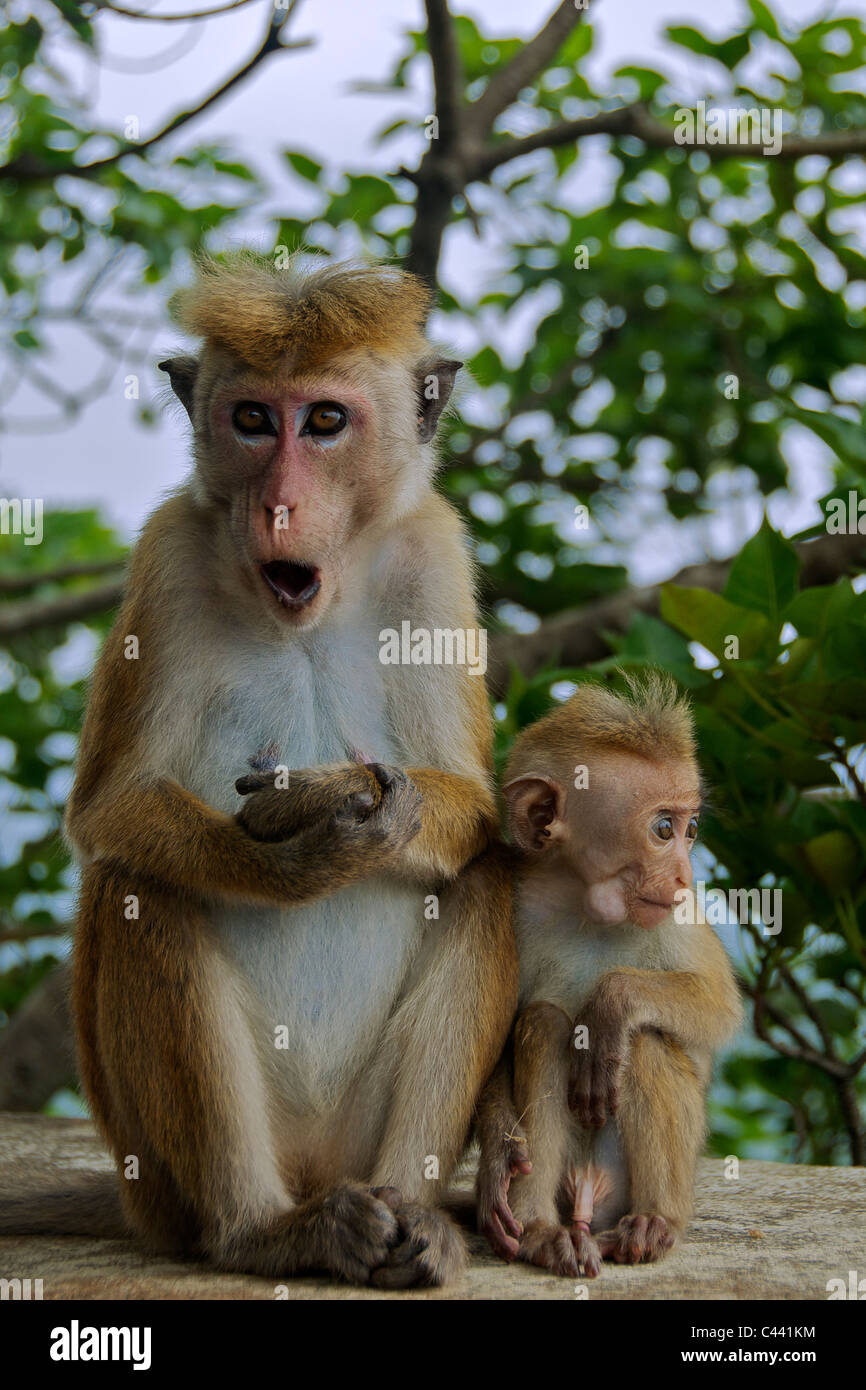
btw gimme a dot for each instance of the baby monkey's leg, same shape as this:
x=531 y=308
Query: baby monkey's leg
x=542 y=1037
x=661 y=1121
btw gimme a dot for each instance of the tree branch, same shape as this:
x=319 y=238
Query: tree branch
x=636 y=120
x=20 y=583
x=576 y=637
x=108 y=8
x=28 y=170
x=19 y=618
x=37 y=1051
x=447 y=71
x=504 y=87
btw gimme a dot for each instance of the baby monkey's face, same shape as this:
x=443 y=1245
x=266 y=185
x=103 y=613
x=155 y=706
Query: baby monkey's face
x=620 y=826
x=631 y=831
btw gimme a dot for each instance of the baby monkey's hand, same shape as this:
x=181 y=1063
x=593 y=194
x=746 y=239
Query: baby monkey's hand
x=598 y=1059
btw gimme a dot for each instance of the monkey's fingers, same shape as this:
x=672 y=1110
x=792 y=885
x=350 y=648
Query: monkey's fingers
x=253 y=782
x=506 y=1216
x=391 y=1196
x=505 y=1246
x=589 y=1256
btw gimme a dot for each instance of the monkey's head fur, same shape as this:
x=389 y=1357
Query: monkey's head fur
x=653 y=720
x=606 y=788
x=314 y=401
x=260 y=313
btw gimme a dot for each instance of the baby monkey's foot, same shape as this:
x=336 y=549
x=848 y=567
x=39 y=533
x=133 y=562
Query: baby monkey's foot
x=550 y=1247
x=637 y=1239
x=587 y=1251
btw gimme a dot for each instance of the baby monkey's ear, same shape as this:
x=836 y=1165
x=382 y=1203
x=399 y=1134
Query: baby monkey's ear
x=536 y=811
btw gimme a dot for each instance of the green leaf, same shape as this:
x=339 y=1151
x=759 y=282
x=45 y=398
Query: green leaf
x=302 y=164
x=763 y=19
x=710 y=619
x=764 y=574
x=728 y=51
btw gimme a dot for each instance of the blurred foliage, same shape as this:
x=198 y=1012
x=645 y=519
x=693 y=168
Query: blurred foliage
x=678 y=332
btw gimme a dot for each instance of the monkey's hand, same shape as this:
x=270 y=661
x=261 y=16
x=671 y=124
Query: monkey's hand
x=598 y=1057
x=499 y=1164
x=280 y=803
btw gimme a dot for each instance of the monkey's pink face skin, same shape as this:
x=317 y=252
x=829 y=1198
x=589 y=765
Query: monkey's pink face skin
x=308 y=464
x=632 y=831
x=621 y=844
x=294 y=449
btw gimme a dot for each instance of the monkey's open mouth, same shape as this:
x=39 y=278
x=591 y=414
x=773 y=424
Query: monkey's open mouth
x=293 y=583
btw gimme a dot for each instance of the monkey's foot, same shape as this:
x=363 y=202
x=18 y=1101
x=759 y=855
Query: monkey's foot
x=588 y=1254
x=637 y=1239
x=354 y=1231
x=550 y=1247
x=429 y=1250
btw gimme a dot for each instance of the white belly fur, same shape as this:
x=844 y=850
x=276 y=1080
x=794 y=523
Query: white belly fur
x=327 y=973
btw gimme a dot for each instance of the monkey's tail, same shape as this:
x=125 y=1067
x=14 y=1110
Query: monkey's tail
x=88 y=1205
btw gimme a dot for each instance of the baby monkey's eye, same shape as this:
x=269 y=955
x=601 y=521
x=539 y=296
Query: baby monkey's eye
x=692 y=829
x=325 y=417
x=251 y=417
x=664 y=828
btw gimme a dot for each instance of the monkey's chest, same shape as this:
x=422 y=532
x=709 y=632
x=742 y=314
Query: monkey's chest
x=291 y=709
x=564 y=965
x=320 y=979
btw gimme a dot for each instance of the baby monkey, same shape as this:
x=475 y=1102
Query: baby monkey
x=592 y=1123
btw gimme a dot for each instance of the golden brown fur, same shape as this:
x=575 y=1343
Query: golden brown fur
x=303 y=909
x=652 y=721
x=249 y=307
x=612 y=1128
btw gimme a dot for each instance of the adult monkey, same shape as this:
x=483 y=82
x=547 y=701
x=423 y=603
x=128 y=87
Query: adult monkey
x=281 y=1030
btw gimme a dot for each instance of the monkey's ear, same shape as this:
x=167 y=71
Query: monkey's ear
x=435 y=384
x=536 y=811
x=181 y=372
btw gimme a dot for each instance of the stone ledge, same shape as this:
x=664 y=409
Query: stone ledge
x=780 y=1231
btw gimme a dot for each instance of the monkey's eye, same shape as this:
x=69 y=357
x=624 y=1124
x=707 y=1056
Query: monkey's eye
x=664 y=828
x=692 y=829
x=251 y=417
x=325 y=417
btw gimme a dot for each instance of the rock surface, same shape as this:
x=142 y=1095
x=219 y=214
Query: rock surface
x=777 y=1231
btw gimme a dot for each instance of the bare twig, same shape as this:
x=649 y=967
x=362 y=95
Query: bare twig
x=26 y=169
x=636 y=120
x=533 y=57
x=106 y=7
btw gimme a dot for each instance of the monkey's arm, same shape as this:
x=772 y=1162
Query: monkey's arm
x=160 y=828
x=699 y=1008
x=503 y=1156
x=458 y=821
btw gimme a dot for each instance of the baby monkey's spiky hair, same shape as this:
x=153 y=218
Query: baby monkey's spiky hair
x=652 y=721
x=248 y=306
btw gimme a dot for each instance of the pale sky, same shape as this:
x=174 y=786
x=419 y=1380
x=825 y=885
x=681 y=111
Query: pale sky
x=302 y=101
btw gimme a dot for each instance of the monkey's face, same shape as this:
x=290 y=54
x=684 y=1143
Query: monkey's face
x=631 y=840
x=623 y=840
x=312 y=467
